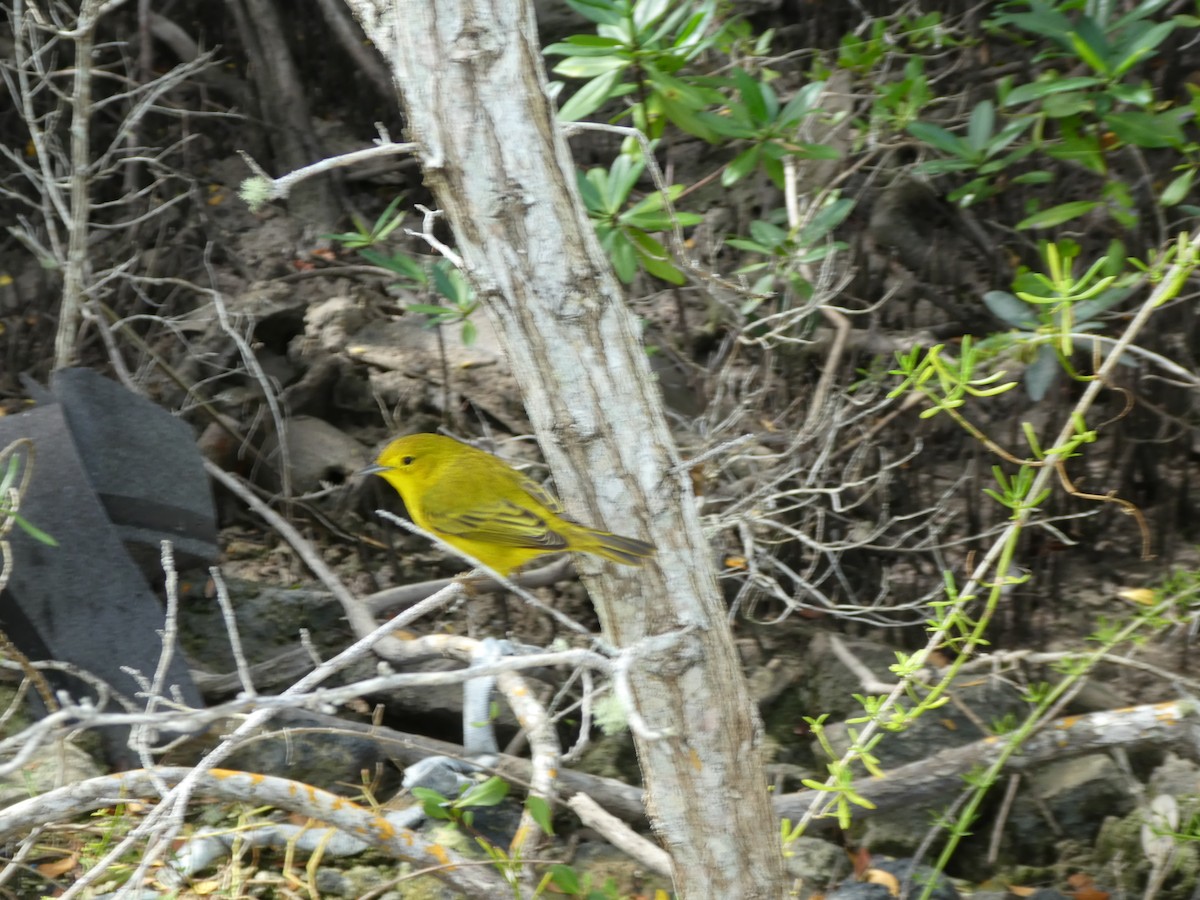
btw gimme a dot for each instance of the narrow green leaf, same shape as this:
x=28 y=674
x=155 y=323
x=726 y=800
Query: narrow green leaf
x=939 y=137
x=1142 y=46
x=1056 y=215
x=1039 y=90
x=589 y=67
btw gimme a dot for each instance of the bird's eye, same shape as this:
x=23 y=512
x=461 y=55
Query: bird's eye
x=408 y=460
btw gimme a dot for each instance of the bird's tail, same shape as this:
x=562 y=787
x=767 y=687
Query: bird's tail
x=624 y=550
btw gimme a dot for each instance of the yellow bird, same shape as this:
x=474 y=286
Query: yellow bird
x=486 y=508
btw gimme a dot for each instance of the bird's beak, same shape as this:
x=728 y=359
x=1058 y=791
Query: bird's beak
x=372 y=469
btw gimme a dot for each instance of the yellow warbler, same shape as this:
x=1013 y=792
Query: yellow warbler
x=486 y=508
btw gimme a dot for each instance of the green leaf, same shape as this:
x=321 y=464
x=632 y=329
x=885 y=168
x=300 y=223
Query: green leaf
x=400 y=263
x=688 y=119
x=566 y=880
x=1010 y=310
x=825 y=221
x=602 y=12
x=584 y=45
x=1038 y=90
x=1056 y=215
x=623 y=174
x=1091 y=45
x=1178 y=189
x=647 y=12
x=741 y=165
x=428 y=309
x=1038 y=177
x=29 y=528
x=590 y=97
x=767 y=234
x=981 y=125
x=589 y=67
x=676 y=89
x=623 y=256
x=1141 y=46
x=1081 y=148
x=540 y=810
x=487 y=793
x=751 y=93
x=1147 y=130
x=1041 y=373
x=939 y=137
x=748 y=246
x=801 y=104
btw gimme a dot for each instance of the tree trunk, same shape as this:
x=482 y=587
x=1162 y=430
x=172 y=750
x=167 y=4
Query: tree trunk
x=474 y=90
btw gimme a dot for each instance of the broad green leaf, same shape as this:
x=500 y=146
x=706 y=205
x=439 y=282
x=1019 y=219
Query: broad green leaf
x=647 y=12
x=802 y=103
x=741 y=165
x=825 y=221
x=1147 y=130
x=753 y=94
x=602 y=12
x=1086 y=310
x=1072 y=103
x=767 y=234
x=590 y=97
x=589 y=190
x=1009 y=310
x=1178 y=189
x=624 y=257
x=688 y=119
x=566 y=880
x=487 y=793
x=1041 y=373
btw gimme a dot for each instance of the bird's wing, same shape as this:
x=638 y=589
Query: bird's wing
x=539 y=493
x=500 y=522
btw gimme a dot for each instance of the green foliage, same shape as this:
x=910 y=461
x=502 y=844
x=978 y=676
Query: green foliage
x=979 y=152
x=448 y=281
x=17 y=462
x=788 y=253
x=638 y=50
x=439 y=277
x=486 y=793
x=1050 y=310
x=364 y=236
x=625 y=230
x=1079 y=119
x=754 y=113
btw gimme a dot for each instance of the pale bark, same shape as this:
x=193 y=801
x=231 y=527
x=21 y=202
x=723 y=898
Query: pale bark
x=472 y=83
